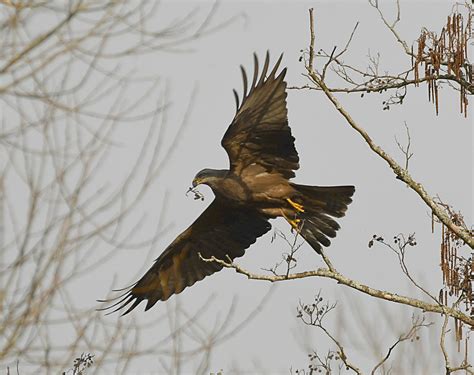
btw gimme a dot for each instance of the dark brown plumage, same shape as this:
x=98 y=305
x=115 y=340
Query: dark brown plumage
x=256 y=188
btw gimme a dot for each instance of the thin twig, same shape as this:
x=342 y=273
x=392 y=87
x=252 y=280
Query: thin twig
x=312 y=37
x=391 y=27
x=417 y=324
x=406 y=151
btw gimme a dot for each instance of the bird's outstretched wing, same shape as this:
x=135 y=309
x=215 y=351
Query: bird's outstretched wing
x=220 y=231
x=259 y=133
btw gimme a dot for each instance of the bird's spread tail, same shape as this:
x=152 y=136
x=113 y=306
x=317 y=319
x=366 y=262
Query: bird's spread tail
x=315 y=207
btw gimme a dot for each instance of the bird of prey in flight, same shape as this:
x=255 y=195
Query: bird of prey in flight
x=254 y=189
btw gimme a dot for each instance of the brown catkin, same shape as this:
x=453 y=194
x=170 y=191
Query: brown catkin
x=466 y=350
x=465 y=105
x=429 y=86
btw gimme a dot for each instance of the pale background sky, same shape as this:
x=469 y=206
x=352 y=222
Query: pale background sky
x=331 y=153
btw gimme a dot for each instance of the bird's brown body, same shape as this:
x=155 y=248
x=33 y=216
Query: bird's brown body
x=265 y=192
x=256 y=188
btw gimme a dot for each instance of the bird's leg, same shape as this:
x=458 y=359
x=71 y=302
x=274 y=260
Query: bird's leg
x=293 y=222
x=298 y=207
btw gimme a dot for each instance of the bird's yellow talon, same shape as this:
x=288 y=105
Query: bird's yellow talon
x=295 y=223
x=296 y=206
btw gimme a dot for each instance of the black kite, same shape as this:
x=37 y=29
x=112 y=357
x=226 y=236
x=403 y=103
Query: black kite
x=255 y=189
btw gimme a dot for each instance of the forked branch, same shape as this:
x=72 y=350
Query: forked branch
x=401 y=173
x=341 y=279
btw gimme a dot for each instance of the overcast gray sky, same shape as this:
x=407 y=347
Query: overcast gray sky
x=331 y=153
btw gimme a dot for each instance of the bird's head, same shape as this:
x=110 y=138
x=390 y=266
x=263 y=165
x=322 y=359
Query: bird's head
x=206 y=176
x=210 y=177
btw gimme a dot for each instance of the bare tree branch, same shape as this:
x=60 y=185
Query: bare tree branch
x=400 y=172
x=341 y=279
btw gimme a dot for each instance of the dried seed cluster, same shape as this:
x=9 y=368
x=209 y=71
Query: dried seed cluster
x=446 y=53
